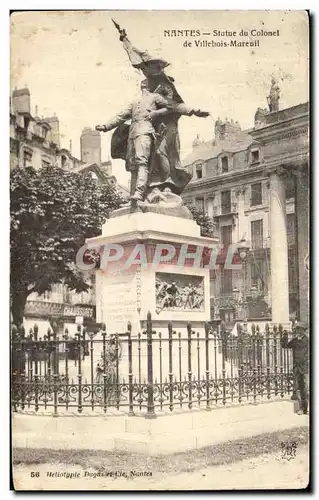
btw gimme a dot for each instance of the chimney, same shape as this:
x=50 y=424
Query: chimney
x=90 y=146
x=70 y=146
x=21 y=100
x=54 y=134
x=227 y=130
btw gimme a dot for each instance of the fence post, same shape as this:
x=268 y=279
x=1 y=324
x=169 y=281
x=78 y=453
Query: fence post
x=207 y=329
x=14 y=366
x=150 y=388
x=223 y=336
x=36 y=367
x=189 y=353
x=55 y=368
x=268 y=359
x=170 y=364
x=130 y=369
x=79 y=343
x=21 y=371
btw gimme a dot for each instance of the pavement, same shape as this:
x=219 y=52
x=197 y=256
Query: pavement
x=272 y=471
x=176 y=432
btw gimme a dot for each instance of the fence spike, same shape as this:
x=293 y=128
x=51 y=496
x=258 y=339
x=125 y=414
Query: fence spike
x=129 y=326
x=103 y=327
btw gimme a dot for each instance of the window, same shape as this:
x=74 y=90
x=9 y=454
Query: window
x=257 y=234
x=292 y=270
x=257 y=274
x=27 y=158
x=63 y=161
x=44 y=132
x=256 y=194
x=291 y=229
x=226 y=235
x=226 y=202
x=226 y=281
x=199 y=171
x=290 y=188
x=45 y=163
x=255 y=156
x=199 y=203
x=224 y=164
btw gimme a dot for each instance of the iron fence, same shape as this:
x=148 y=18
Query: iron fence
x=147 y=372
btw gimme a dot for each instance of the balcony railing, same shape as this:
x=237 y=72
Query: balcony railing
x=219 y=210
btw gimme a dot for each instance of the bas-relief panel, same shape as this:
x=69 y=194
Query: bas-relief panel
x=175 y=292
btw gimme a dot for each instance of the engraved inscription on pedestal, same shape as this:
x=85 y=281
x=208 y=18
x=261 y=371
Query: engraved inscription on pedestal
x=176 y=292
x=120 y=302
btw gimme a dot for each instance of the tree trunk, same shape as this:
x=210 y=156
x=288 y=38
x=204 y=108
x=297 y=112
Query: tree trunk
x=18 y=300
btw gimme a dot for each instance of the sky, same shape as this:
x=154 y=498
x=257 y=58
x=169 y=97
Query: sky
x=75 y=66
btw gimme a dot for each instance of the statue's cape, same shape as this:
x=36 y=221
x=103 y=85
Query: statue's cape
x=119 y=142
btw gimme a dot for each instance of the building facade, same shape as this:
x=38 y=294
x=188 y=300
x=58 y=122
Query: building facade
x=249 y=182
x=35 y=141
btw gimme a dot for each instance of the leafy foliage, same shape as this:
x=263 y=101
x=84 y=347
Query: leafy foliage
x=52 y=213
x=203 y=220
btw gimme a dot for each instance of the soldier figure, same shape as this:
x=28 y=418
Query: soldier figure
x=141 y=137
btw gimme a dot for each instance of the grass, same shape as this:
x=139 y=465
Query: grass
x=224 y=453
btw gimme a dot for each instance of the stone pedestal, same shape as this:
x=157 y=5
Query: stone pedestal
x=127 y=288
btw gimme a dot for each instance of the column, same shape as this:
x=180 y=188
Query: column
x=302 y=229
x=278 y=250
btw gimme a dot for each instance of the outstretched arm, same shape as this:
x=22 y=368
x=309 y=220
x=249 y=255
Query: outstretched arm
x=181 y=109
x=117 y=120
x=167 y=107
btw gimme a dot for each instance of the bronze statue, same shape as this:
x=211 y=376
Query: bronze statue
x=150 y=144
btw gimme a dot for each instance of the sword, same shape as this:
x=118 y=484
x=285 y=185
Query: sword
x=122 y=32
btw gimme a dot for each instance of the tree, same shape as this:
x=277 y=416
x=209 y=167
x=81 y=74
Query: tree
x=202 y=218
x=52 y=213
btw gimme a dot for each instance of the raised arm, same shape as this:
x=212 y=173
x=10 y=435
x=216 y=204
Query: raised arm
x=117 y=120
